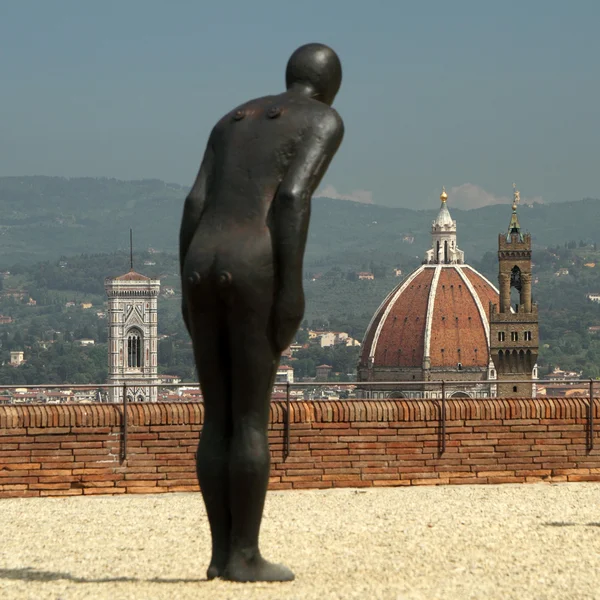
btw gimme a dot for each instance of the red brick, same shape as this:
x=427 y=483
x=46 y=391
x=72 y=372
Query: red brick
x=495 y=473
x=184 y=488
x=495 y=480
x=390 y=482
x=4 y=454
x=91 y=491
x=144 y=476
x=467 y=480
x=59 y=479
x=294 y=478
x=146 y=490
x=30 y=445
x=178 y=435
x=20 y=494
x=570 y=471
x=50 y=486
x=584 y=477
x=172 y=482
x=19 y=466
x=440 y=481
x=83 y=446
x=135 y=483
x=313 y=485
x=9 y=474
x=304 y=471
x=47 y=431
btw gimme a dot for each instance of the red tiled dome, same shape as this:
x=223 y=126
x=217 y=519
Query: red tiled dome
x=439 y=312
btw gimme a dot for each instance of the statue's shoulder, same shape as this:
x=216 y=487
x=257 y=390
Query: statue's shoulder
x=327 y=118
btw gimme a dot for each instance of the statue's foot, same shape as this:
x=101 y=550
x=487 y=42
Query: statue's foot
x=256 y=568
x=213 y=572
x=217 y=566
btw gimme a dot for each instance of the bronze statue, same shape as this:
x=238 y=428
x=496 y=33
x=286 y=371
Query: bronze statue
x=242 y=241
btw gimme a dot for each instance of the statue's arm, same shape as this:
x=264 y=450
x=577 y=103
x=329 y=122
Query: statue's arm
x=290 y=220
x=194 y=203
x=291 y=205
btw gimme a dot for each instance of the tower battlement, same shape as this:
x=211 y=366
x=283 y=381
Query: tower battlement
x=514 y=242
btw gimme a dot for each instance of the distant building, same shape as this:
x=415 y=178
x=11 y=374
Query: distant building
x=86 y=342
x=594 y=297
x=86 y=305
x=514 y=332
x=433 y=326
x=323 y=372
x=561 y=272
x=285 y=374
x=559 y=375
x=4 y=320
x=132 y=336
x=16 y=358
x=365 y=275
x=169 y=379
x=397 y=272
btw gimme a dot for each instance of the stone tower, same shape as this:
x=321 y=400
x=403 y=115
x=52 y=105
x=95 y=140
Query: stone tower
x=132 y=336
x=514 y=330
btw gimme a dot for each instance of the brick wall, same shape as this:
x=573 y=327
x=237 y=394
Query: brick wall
x=76 y=449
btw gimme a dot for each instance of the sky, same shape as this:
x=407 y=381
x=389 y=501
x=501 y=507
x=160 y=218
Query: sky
x=468 y=94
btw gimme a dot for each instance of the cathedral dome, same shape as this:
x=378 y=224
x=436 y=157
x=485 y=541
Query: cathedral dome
x=436 y=319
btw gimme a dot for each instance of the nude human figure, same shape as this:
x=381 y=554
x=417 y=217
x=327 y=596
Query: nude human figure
x=242 y=242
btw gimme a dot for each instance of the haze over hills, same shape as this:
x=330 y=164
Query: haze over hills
x=43 y=218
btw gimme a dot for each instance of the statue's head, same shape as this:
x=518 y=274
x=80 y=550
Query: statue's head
x=316 y=67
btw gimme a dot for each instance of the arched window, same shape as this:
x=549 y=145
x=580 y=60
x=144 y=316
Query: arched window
x=134 y=349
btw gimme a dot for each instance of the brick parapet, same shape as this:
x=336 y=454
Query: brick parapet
x=49 y=450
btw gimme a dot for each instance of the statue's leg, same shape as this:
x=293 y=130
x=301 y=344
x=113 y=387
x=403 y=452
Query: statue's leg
x=254 y=365
x=213 y=363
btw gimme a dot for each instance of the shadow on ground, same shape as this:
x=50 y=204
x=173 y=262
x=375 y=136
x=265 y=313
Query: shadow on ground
x=30 y=574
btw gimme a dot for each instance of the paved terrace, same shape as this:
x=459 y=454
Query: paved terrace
x=508 y=541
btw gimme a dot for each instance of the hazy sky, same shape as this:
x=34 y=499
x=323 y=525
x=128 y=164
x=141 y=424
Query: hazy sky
x=471 y=95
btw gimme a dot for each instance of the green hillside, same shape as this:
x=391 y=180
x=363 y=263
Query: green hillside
x=46 y=217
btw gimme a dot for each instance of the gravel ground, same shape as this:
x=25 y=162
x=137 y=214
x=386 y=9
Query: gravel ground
x=509 y=541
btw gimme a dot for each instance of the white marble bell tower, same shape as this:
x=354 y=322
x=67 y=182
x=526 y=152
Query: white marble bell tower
x=132 y=336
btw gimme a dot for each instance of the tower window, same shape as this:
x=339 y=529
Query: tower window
x=501 y=336
x=514 y=388
x=528 y=336
x=134 y=349
x=514 y=336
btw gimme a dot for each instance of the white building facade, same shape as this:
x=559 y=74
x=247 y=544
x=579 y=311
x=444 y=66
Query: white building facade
x=132 y=336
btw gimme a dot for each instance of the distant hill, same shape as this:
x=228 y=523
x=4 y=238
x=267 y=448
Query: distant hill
x=44 y=218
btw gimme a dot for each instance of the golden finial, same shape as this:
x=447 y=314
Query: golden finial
x=444 y=196
x=516 y=197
